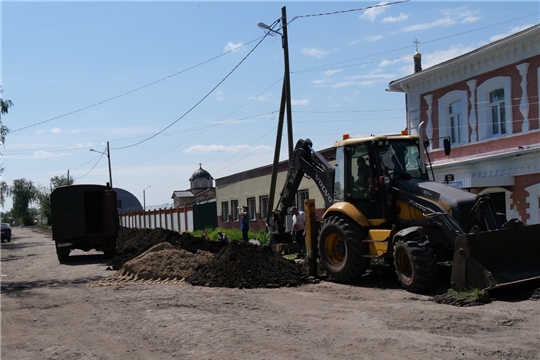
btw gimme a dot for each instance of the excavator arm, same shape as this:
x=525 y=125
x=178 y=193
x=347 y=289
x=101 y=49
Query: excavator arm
x=305 y=161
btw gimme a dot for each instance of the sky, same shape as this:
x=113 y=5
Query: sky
x=176 y=85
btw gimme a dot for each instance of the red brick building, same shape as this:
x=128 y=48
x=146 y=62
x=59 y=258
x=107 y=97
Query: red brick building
x=486 y=103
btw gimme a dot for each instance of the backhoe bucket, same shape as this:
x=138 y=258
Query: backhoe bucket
x=491 y=259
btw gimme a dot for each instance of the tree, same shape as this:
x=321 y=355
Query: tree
x=44 y=196
x=23 y=193
x=4 y=108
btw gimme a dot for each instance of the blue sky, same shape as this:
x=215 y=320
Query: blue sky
x=174 y=84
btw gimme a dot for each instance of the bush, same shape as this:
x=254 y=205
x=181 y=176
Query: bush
x=236 y=234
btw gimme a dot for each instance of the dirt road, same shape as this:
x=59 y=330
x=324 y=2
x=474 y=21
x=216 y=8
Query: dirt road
x=48 y=311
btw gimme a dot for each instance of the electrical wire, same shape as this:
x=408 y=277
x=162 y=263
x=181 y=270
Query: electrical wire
x=201 y=100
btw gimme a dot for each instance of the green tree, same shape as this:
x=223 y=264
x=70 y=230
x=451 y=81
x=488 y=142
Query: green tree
x=23 y=193
x=4 y=192
x=44 y=196
x=4 y=108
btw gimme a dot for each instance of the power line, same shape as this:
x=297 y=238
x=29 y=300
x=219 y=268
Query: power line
x=137 y=89
x=201 y=100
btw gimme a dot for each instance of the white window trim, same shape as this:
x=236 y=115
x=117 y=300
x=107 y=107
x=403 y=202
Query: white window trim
x=533 y=201
x=484 y=107
x=444 y=118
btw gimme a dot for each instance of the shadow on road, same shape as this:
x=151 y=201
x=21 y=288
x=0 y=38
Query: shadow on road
x=8 y=288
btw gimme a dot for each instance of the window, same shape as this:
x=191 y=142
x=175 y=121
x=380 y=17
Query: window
x=494 y=108
x=456 y=116
x=234 y=210
x=204 y=183
x=300 y=197
x=263 y=206
x=498 y=117
x=225 y=211
x=252 y=210
x=453 y=118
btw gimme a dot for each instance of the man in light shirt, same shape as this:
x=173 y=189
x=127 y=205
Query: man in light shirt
x=299 y=230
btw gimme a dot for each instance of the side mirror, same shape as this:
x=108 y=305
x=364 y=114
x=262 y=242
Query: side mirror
x=447 y=146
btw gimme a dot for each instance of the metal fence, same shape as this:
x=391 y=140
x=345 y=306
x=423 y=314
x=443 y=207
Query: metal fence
x=174 y=218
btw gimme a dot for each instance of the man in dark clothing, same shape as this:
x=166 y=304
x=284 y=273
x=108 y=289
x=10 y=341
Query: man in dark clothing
x=222 y=238
x=244 y=223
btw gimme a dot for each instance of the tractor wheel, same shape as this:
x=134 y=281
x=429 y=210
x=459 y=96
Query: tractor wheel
x=63 y=254
x=341 y=248
x=415 y=262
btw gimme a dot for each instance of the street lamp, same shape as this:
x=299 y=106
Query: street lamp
x=108 y=153
x=285 y=103
x=144 y=197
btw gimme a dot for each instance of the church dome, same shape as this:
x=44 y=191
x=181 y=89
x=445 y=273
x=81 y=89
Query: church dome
x=201 y=179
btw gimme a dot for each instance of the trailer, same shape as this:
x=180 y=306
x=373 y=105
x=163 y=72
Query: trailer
x=84 y=217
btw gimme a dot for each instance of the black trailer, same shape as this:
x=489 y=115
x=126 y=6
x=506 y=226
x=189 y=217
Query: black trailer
x=84 y=217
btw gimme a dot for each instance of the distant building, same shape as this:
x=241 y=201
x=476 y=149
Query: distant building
x=201 y=190
x=127 y=202
x=486 y=103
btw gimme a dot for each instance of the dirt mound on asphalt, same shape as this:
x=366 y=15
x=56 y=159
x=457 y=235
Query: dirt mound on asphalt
x=163 y=254
x=133 y=242
x=245 y=265
x=164 y=261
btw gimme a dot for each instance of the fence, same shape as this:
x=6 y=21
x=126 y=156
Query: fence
x=179 y=219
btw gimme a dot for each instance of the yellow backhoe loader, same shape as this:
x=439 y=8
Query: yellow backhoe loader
x=380 y=203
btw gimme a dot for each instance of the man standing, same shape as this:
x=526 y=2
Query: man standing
x=244 y=223
x=299 y=230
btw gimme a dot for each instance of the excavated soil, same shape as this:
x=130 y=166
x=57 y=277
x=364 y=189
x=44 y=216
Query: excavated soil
x=167 y=255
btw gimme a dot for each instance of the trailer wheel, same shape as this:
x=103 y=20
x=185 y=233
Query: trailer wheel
x=415 y=262
x=63 y=254
x=341 y=248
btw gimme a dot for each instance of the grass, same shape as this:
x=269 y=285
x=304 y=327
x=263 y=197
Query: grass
x=471 y=294
x=236 y=234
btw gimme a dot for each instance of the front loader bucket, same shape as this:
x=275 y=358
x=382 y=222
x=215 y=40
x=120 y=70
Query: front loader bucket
x=491 y=259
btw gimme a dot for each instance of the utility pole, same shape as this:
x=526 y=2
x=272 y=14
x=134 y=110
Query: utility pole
x=109 y=158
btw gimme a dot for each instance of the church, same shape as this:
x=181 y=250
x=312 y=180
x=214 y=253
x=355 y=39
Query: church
x=201 y=190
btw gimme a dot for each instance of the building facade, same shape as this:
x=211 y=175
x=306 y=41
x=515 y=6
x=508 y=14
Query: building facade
x=486 y=103
x=251 y=188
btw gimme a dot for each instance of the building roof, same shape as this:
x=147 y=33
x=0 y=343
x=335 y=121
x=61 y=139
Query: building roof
x=200 y=173
x=466 y=59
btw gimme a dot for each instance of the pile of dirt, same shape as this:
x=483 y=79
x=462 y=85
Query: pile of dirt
x=164 y=262
x=160 y=254
x=245 y=265
x=134 y=242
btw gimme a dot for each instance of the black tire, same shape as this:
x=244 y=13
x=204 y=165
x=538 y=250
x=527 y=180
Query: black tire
x=63 y=254
x=341 y=249
x=415 y=262
x=9 y=239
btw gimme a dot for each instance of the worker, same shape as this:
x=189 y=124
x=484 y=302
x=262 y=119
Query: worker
x=244 y=224
x=364 y=174
x=222 y=238
x=299 y=230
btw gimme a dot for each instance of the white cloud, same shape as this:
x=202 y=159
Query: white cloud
x=56 y=130
x=40 y=132
x=449 y=17
x=314 y=52
x=426 y=26
x=392 y=19
x=328 y=73
x=219 y=95
x=299 y=102
x=372 y=13
x=470 y=19
x=47 y=154
x=211 y=149
x=509 y=32
x=232 y=46
x=374 y=38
